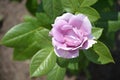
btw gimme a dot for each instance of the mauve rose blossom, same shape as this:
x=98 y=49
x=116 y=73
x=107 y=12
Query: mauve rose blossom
x=71 y=33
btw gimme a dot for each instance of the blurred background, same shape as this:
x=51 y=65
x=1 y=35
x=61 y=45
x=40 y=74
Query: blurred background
x=11 y=13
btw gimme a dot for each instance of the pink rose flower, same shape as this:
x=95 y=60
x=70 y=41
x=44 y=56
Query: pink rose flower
x=71 y=33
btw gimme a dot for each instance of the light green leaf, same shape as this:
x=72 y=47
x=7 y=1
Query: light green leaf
x=87 y=3
x=42 y=62
x=92 y=14
x=103 y=52
x=75 y=5
x=57 y=73
x=43 y=39
x=32 y=20
x=25 y=53
x=97 y=32
x=53 y=8
x=20 y=35
x=70 y=5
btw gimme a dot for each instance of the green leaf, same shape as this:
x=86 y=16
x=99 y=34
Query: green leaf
x=75 y=5
x=53 y=8
x=57 y=73
x=25 y=53
x=32 y=6
x=92 y=14
x=103 y=52
x=70 y=5
x=73 y=67
x=87 y=3
x=20 y=35
x=113 y=26
x=40 y=7
x=44 y=20
x=92 y=56
x=97 y=32
x=42 y=62
x=43 y=39
x=32 y=20
x=62 y=62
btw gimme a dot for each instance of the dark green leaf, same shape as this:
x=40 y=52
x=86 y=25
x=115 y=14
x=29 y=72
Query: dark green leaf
x=40 y=7
x=32 y=6
x=57 y=73
x=42 y=62
x=73 y=66
x=103 y=52
x=92 y=56
x=113 y=26
x=97 y=32
x=25 y=53
x=53 y=8
x=62 y=62
x=44 y=20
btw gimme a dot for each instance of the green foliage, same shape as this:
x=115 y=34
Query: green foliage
x=32 y=5
x=92 y=14
x=52 y=8
x=103 y=53
x=31 y=39
x=20 y=35
x=82 y=6
x=57 y=72
x=24 y=53
x=99 y=54
x=97 y=32
x=42 y=62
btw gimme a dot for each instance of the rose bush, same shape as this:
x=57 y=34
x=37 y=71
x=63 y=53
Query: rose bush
x=71 y=33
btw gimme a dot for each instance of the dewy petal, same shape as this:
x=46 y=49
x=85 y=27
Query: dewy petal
x=77 y=20
x=86 y=26
x=89 y=43
x=66 y=53
x=65 y=17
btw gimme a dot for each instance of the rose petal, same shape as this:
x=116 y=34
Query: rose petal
x=66 y=27
x=56 y=31
x=77 y=20
x=59 y=23
x=57 y=44
x=57 y=35
x=66 y=53
x=89 y=44
x=65 y=17
x=86 y=26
